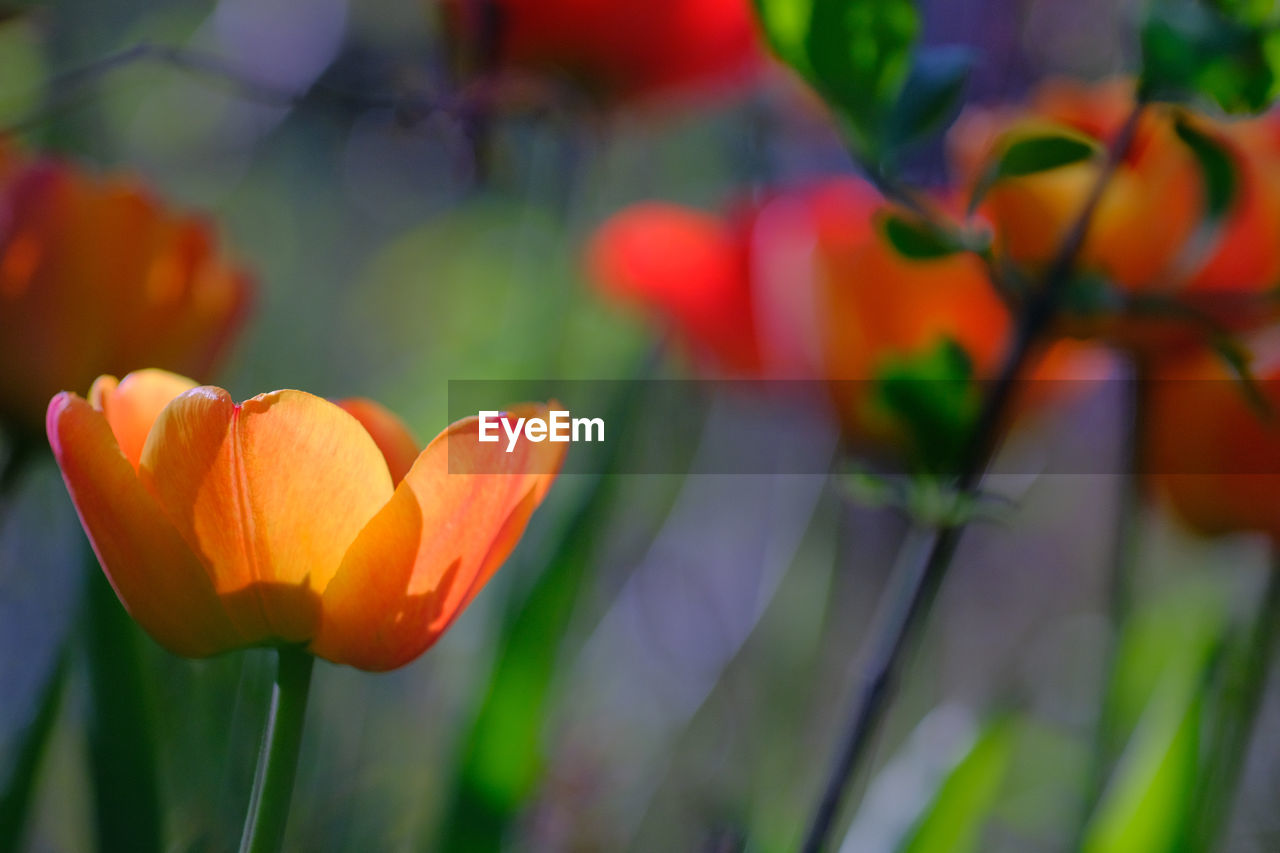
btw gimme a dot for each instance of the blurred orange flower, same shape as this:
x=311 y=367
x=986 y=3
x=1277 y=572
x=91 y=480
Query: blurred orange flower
x=621 y=50
x=1151 y=234
x=97 y=277
x=877 y=308
x=1211 y=452
x=286 y=519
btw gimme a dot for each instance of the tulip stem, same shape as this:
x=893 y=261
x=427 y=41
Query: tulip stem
x=913 y=585
x=268 y=813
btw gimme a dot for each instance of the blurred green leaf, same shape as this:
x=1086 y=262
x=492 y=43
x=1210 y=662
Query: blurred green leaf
x=919 y=240
x=933 y=396
x=502 y=757
x=1042 y=153
x=1178 y=630
x=1030 y=155
x=1217 y=168
x=786 y=26
x=928 y=500
x=1146 y=806
x=932 y=95
x=20 y=781
x=953 y=820
x=22 y=70
x=122 y=753
x=1224 y=50
x=1232 y=717
x=856 y=53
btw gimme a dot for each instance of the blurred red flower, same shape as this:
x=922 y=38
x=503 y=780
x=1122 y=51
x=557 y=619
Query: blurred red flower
x=97 y=276
x=692 y=271
x=615 y=51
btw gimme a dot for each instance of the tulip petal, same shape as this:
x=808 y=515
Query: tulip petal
x=393 y=438
x=132 y=405
x=439 y=540
x=270 y=494
x=159 y=580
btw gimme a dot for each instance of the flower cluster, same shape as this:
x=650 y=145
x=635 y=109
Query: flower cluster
x=282 y=520
x=1158 y=235
x=807 y=282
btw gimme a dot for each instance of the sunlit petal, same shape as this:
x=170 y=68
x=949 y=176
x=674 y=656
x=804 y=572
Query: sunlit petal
x=270 y=494
x=160 y=581
x=426 y=555
x=132 y=405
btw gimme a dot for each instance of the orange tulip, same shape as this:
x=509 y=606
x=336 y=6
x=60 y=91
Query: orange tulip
x=286 y=519
x=1150 y=235
x=1210 y=451
x=97 y=277
x=615 y=51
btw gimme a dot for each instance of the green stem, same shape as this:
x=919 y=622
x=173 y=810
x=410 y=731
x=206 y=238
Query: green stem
x=1119 y=593
x=1242 y=698
x=278 y=759
x=914 y=587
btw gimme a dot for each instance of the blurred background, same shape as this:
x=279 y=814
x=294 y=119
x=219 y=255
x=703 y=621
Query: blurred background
x=666 y=662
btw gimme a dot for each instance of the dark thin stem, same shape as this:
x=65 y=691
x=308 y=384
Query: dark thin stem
x=1119 y=592
x=1242 y=699
x=407 y=105
x=268 y=813
x=913 y=590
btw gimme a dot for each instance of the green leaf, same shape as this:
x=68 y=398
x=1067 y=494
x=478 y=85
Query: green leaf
x=1226 y=51
x=786 y=25
x=919 y=240
x=19 y=786
x=856 y=53
x=929 y=501
x=1178 y=629
x=1042 y=153
x=1145 y=808
x=1030 y=155
x=1239 y=360
x=933 y=396
x=953 y=820
x=932 y=95
x=501 y=760
x=122 y=749
x=1217 y=168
